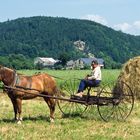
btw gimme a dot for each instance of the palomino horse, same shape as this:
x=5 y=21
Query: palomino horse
x=41 y=83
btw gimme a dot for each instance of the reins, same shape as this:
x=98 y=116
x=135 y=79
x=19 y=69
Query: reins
x=18 y=88
x=56 y=77
x=47 y=96
x=16 y=80
x=25 y=88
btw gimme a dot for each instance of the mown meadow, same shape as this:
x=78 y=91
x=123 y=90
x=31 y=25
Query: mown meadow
x=36 y=123
x=108 y=76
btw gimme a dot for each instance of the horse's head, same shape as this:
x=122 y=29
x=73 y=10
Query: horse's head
x=6 y=75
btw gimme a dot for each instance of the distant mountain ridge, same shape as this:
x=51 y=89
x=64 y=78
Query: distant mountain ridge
x=27 y=38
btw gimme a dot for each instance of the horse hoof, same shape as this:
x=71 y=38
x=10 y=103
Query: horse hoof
x=51 y=120
x=19 y=122
x=20 y=119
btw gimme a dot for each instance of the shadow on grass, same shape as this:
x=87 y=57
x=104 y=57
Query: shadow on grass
x=70 y=115
x=37 y=118
x=84 y=116
x=7 y=121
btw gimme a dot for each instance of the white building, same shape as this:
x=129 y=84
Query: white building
x=44 y=61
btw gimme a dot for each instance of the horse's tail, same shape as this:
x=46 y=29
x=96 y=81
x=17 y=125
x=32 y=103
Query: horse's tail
x=59 y=92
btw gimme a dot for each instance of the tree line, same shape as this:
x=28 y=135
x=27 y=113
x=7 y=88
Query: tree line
x=23 y=39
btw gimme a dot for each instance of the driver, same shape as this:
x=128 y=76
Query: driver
x=92 y=80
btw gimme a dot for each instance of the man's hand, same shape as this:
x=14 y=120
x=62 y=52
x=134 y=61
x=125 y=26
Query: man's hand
x=87 y=76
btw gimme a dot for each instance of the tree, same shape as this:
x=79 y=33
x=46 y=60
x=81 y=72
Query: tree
x=64 y=57
x=51 y=37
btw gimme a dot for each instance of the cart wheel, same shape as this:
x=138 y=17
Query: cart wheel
x=115 y=104
x=92 y=112
x=68 y=108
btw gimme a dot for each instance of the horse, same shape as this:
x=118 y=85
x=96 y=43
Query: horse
x=43 y=84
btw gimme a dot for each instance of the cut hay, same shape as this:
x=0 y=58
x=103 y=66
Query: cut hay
x=130 y=75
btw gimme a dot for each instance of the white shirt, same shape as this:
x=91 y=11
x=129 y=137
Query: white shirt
x=96 y=74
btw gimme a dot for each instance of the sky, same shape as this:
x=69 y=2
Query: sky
x=121 y=15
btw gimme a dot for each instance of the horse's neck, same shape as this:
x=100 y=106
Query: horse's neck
x=8 y=77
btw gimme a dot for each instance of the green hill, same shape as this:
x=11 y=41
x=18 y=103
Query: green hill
x=23 y=39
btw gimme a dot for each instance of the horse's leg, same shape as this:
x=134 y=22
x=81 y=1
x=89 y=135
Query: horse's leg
x=19 y=107
x=51 y=103
x=14 y=102
x=52 y=109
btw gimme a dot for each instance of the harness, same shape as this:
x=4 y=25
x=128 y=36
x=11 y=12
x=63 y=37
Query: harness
x=17 y=80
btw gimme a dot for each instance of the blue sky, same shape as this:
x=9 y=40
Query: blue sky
x=121 y=15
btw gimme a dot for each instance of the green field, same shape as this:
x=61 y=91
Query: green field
x=108 y=76
x=36 y=126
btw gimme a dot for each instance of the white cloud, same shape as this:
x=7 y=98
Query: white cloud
x=137 y=24
x=96 y=18
x=130 y=28
x=123 y=27
x=133 y=28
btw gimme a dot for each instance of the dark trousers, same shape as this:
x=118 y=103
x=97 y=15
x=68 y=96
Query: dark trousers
x=88 y=83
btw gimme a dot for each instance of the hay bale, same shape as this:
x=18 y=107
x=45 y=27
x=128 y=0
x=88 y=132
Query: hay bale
x=130 y=74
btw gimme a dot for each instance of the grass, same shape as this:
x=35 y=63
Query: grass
x=108 y=76
x=36 y=126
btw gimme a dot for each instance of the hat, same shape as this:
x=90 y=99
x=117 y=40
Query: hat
x=94 y=62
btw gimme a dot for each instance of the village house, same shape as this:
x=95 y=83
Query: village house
x=70 y=64
x=82 y=62
x=44 y=61
x=87 y=61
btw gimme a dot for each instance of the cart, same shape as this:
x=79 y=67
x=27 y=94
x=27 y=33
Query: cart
x=110 y=105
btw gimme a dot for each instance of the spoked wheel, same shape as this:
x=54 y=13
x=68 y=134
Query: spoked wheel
x=68 y=108
x=115 y=104
x=92 y=112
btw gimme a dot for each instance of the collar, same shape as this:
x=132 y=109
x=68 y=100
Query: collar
x=16 y=79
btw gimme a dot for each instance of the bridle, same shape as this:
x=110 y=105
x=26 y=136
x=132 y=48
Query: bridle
x=15 y=75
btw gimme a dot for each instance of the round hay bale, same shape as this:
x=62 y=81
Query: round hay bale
x=130 y=74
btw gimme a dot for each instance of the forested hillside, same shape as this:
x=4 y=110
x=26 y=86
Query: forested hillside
x=23 y=39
